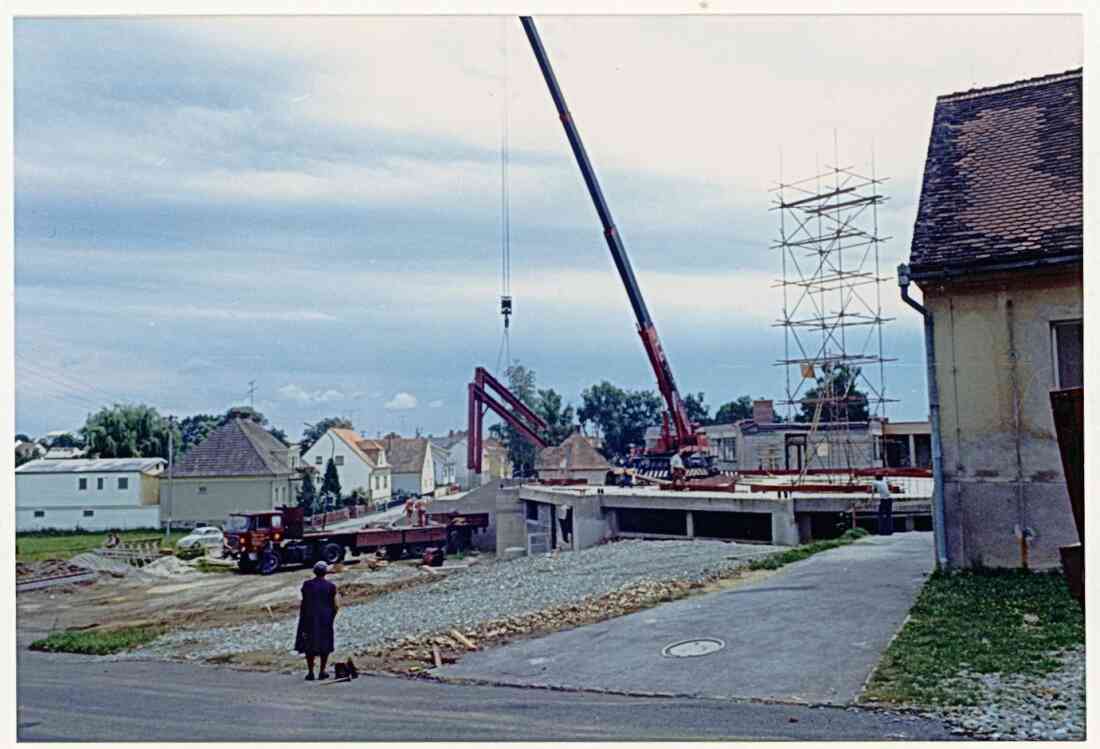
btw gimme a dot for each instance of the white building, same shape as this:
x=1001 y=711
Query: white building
x=412 y=465
x=361 y=463
x=103 y=494
x=443 y=465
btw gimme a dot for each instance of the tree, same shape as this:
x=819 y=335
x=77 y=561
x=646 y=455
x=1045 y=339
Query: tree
x=316 y=431
x=559 y=421
x=194 y=429
x=128 y=431
x=66 y=439
x=22 y=438
x=697 y=411
x=620 y=416
x=279 y=434
x=521 y=453
x=733 y=411
x=330 y=485
x=837 y=383
x=307 y=492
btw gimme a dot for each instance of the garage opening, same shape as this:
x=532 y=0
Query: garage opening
x=659 y=522
x=740 y=526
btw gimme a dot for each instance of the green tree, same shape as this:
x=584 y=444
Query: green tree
x=844 y=400
x=620 y=416
x=316 y=431
x=733 y=411
x=559 y=421
x=194 y=429
x=698 y=412
x=521 y=381
x=307 y=492
x=330 y=485
x=22 y=438
x=128 y=431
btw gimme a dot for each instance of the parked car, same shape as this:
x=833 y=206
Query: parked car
x=208 y=536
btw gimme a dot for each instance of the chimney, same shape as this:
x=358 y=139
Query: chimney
x=763 y=412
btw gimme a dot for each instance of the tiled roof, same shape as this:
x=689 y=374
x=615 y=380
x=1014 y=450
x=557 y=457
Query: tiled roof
x=450 y=440
x=355 y=441
x=239 y=447
x=575 y=454
x=1002 y=180
x=406 y=455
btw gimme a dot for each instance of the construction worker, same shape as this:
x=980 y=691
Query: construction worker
x=676 y=468
x=421 y=507
x=410 y=508
x=885 y=505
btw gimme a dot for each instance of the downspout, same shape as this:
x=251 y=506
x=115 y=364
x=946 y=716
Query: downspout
x=938 y=527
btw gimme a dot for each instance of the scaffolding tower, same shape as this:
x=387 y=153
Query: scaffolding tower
x=832 y=309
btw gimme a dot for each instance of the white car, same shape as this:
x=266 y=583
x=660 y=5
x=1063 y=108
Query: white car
x=208 y=536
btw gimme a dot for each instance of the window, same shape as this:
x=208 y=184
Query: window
x=339 y=460
x=276 y=521
x=82 y=484
x=1068 y=343
x=319 y=460
x=89 y=513
x=99 y=484
x=202 y=490
x=40 y=513
x=123 y=483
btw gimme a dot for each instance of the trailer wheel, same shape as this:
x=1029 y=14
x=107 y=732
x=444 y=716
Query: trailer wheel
x=333 y=553
x=270 y=562
x=393 y=552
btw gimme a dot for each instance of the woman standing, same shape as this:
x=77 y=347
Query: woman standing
x=315 y=619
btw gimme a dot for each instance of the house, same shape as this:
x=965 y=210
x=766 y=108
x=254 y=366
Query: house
x=239 y=467
x=95 y=494
x=65 y=453
x=455 y=445
x=496 y=463
x=444 y=465
x=27 y=451
x=997 y=254
x=411 y=463
x=361 y=463
x=575 y=459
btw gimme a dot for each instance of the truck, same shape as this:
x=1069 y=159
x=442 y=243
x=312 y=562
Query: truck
x=266 y=541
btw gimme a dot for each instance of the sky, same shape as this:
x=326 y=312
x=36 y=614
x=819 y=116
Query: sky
x=311 y=207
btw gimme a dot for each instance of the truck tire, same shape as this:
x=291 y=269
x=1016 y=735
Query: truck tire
x=333 y=553
x=246 y=565
x=393 y=552
x=270 y=562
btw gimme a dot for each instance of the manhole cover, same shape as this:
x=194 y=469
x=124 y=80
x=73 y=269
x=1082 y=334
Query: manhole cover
x=692 y=648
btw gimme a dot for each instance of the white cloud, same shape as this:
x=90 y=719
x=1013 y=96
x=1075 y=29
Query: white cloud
x=435 y=404
x=296 y=393
x=401 y=402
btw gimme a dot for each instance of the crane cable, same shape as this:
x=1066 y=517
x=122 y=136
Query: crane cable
x=504 y=356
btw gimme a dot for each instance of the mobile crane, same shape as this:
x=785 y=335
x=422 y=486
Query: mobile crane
x=678 y=433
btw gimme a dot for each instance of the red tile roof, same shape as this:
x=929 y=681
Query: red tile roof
x=1003 y=178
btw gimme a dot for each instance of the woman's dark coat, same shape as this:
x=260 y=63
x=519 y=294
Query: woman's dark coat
x=315 y=636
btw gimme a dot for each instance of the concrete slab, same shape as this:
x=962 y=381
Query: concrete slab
x=810 y=633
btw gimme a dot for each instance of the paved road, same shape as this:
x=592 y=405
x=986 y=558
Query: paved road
x=67 y=698
x=812 y=632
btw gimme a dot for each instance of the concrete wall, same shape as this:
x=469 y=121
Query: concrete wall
x=59 y=502
x=995 y=369
x=211 y=500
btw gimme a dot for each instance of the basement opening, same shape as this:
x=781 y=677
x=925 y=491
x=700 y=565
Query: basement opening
x=659 y=522
x=741 y=526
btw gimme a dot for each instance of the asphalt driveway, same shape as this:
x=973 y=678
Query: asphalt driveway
x=810 y=633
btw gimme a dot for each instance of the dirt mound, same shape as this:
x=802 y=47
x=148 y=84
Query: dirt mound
x=92 y=561
x=169 y=567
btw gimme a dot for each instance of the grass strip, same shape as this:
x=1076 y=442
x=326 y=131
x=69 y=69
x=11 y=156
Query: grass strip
x=93 y=642
x=976 y=622
x=798 y=553
x=38 y=546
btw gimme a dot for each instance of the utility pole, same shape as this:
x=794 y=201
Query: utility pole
x=251 y=394
x=171 y=451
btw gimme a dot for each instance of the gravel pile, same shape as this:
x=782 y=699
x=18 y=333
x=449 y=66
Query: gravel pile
x=479 y=594
x=92 y=561
x=1048 y=707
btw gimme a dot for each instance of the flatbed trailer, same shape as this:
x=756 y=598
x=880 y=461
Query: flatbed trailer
x=266 y=541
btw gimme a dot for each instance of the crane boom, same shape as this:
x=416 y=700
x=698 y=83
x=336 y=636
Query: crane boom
x=685 y=434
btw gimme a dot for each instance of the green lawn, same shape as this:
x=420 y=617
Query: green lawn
x=94 y=642
x=1007 y=622
x=39 y=546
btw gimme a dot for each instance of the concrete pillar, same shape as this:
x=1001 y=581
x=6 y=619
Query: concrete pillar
x=690 y=519
x=912 y=451
x=805 y=534
x=511 y=520
x=907 y=522
x=784 y=527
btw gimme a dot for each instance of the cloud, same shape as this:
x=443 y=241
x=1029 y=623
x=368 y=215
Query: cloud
x=295 y=393
x=401 y=402
x=435 y=404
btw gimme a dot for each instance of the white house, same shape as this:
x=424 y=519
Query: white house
x=455 y=445
x=360 y=463
x=444 y=465
x=412 y=464
x=91 y=494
